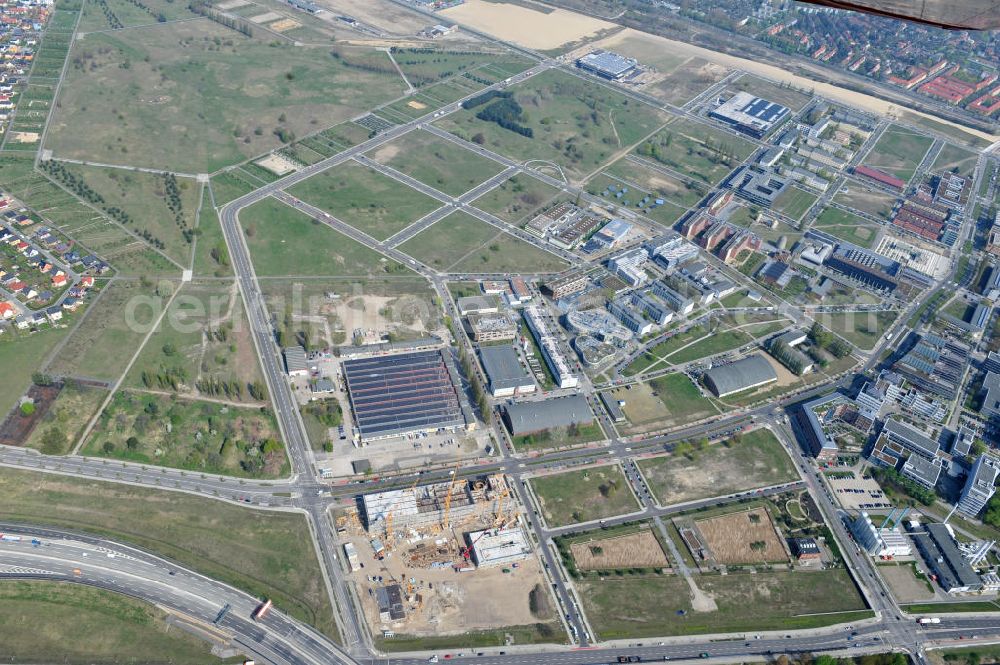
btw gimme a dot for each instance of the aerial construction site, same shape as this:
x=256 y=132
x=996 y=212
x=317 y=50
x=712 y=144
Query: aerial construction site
x=444 y=558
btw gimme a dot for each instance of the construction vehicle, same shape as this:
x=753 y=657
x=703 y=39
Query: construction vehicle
x=467 y=551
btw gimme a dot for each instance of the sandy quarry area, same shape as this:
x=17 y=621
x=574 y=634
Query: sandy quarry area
x=524 y=26
x=849 y=97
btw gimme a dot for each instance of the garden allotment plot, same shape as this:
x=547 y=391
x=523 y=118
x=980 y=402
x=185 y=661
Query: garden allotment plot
x=364 y=198
x=436 y=162
x=194 y=96
x=575 y=123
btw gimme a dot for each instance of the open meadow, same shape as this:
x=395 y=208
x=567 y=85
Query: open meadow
x=584 y=495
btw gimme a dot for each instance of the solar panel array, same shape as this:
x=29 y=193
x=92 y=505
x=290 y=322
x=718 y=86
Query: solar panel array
x=398 y=394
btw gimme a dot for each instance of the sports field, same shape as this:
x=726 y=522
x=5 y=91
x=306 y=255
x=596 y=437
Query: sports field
x=436 y=162
x=660 y=605
x=585 y=495
x=364 y=198
x=194 y=96
x=899 y=152
x=574 y=123
x=284 y=241
x=463 y=244
x=755 y=459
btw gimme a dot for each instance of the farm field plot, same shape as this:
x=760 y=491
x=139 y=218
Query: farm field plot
x=847 y=226
x=862 y=329
x=634 y=550
x=585 y=495
x=162 y=206
x=202 y=348
x=61 y=426
x=755 y=459
x=189 y=434
x=68 y=623
x=899 y=152
x=516 y=199
x=434 y=161
x=744 y=537
x=462 y=243
x=648 y=605
x=870 y=201
x=110 y=332
x=794 y=202
x=284 y=241
x=957 y=159
x=696 y=150
x=116 y=14
x=365 y=199
x=267 y=554
x=20 y=357
x=225 y=97
x=665 y=401
x=577 y=124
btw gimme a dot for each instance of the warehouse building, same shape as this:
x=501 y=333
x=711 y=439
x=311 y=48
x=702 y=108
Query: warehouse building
x=750 y=115
x=406 y=393
x=944 y=560
x=498 y=547
x=750 y=372
x=295 y=361
x=607 y=65
x=504 y=372
x=529 y=417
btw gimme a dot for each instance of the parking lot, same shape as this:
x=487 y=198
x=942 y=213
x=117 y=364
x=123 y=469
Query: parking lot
x=859 y=493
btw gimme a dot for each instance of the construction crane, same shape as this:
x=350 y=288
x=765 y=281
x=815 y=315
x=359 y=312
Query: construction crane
x=500 y=516
x=467 y=551
x=447 y=500
x=391 y=512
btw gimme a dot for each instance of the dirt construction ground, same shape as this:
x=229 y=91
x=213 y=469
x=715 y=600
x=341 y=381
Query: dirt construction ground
x=524 y=26
x=729 y=537
x=635 y=550
x=452 y=602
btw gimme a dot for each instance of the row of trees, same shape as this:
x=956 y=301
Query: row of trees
x=232 y=22
x=175 y=204
x=110 y=16
x=487 y=96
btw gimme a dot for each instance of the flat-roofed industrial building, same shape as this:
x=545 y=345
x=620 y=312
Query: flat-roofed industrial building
x=401 y=394
x=504 y=371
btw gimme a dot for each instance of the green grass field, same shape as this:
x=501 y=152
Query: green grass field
x=72 y=409
x=267 y=554
x=365 y=199
x=847 y=226
x=648 y=606
x=194 y=96
x=755 y=459
x=794 y=202
x=515 y=200
x=21 y=355
x=109 y=13
x=560 y=436
x=284 y=241
x=436 y=162
x=696 y=150
x=956 y=159
x=862 y=329
x=685 y=193
x=899 y=152
x=613 y=188
x=189 y=434
x=667 y=400
x=112 y=330
x=576 y=124
x=57 y=622
x=146 y=199
x=585 y=495
x=873 y=202
x=462 y=243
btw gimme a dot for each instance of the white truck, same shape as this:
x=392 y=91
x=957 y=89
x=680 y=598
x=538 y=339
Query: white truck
x=928 y=620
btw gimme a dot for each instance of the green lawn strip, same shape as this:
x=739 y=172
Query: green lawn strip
x=267 y=554
x=284 y=241
x=794 y=202
x=862 y=329
x=584 y=495
x=539 y=633
x=756 y=459
x=561 y=436
x=649 y=605
x=462 y=243
x=364 y=198
x=950 y=608
x=60 y=622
